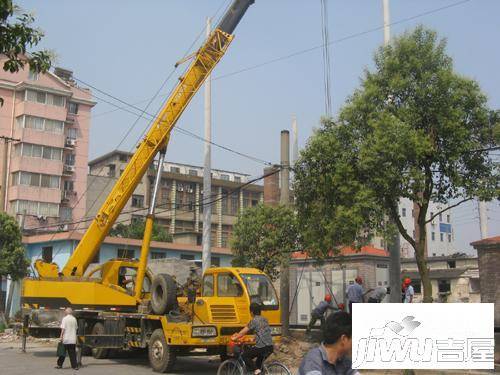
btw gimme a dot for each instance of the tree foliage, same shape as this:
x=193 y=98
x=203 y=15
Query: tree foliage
x=136 y=230
x=17 y=37
x=12 y=255
x=412 y=130
x=263 y=237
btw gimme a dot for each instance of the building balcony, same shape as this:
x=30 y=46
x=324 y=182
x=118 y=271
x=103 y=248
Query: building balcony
x=70 y=143
x=67 y=195
x=68 y=170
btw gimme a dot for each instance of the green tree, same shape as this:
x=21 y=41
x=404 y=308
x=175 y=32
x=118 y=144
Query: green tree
x=136 y=230
x=12 y=255
x=17 y=37
x=412 y=130
x=263 y=236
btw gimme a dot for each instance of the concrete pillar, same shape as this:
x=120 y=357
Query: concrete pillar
x=197 y=208
x=488 y=253
x=219 y=217
x=173 y=207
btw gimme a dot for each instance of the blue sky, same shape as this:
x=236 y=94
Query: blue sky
x=127 y=48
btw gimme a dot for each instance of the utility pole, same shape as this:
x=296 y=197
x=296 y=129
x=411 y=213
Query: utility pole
x=5 y=158
x=207 y=173
x=295 y=145
x=387 y=23
x=285 y=200
x=394 y=246
x=483 y=219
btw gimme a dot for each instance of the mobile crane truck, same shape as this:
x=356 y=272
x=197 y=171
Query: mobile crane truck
x=149 y=314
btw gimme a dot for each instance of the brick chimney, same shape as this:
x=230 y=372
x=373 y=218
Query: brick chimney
x=271 y=187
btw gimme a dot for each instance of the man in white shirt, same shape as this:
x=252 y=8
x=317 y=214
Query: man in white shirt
x=69 y=327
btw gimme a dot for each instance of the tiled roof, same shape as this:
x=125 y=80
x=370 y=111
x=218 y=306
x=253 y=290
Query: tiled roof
x=347 y=251
x=487 y=242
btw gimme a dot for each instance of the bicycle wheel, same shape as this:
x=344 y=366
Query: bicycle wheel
x=276 y=368
x=230 y=367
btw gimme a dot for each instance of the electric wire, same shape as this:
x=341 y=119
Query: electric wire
x=348 y=37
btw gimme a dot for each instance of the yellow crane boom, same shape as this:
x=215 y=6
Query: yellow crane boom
x=156 y=139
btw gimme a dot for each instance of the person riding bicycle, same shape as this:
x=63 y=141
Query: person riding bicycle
x=263 y=339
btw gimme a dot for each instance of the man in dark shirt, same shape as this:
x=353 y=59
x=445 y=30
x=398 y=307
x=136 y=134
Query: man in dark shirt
x=330 y=357
x=319 y=311
x=263 y=339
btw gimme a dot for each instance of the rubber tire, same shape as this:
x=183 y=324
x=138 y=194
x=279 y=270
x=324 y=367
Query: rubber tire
x=160 y=361
x=163 y=294
x=274 y=368
x=231 y=366
x=99 y=353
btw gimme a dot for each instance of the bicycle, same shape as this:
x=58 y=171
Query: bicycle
x=236 y=366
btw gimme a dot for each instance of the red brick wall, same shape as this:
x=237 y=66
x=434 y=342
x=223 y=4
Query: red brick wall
x=271 y=187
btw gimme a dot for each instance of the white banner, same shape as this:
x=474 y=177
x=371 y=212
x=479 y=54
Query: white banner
x=423 y=336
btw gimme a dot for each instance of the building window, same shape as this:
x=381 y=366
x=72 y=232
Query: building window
x=111 y=170
x=65 y=214
x=444 y=286
x=36 y=179
x=447 y=218
x=215 y=261
x=158 y=255
x=125 y=253
x=137 y=200
x=72 y=133
x=41 y=124
x=417 y=286
x=123 y=158
x=32 y=75
x=73 y=108
x=433 y=236
x=474 y=286
x=175 y=170
x=193 y=172
x=69 y=159
x=69 y=185
x=403 y=212
x=224 y=177
x=412 y=212
x=38 y=151
x=237 y=179
x=208 y=286
x=441 y=236
x=47 y=254
x=97 y=257
x=187 y=256
x=45 y=98
x=440 y=217
x=250 y=198
x=449 y=237
x=35 y=208
x=452 y=264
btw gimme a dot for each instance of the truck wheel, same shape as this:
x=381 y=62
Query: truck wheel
x=163 y=294
x=99 y=353
x=161 y=355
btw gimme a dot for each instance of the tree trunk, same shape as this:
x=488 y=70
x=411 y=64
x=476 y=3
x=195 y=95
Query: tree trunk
x=420 y=257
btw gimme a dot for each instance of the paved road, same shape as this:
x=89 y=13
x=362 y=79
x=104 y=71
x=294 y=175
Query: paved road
x=40 y=360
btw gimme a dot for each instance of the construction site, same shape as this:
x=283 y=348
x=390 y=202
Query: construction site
x=263 y=251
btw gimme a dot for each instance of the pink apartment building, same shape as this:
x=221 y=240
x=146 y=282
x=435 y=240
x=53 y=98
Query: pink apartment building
x=44 y=174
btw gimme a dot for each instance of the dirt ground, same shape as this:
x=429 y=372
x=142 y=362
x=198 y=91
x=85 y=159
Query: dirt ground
x=40 y=359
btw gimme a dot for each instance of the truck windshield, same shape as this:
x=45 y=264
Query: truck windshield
x=261 y=290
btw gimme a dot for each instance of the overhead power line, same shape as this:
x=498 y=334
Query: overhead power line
x=343 y=39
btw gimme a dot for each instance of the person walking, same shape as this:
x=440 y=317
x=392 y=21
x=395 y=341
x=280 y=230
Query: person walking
x=377 y=295
x=319 y=311
x=409 y=291
x=69 y=327
x=355 y=292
